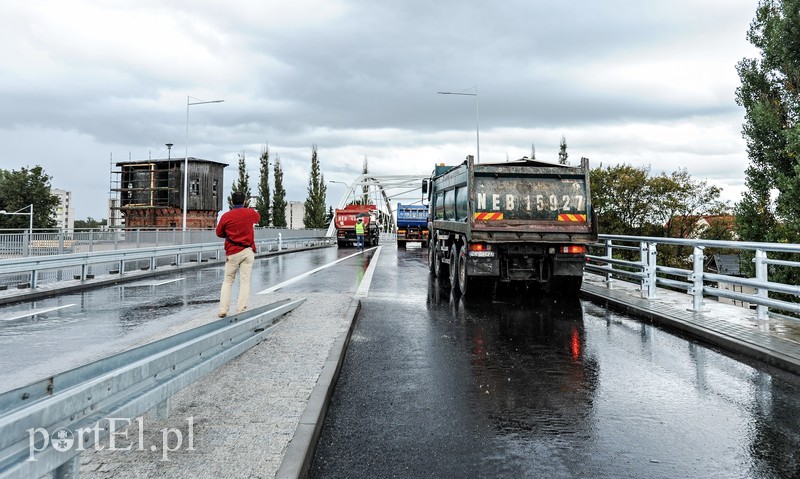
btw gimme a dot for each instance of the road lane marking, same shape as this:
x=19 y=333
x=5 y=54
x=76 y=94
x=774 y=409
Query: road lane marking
x=150 y=283
x=34 y=313
x=309 y=273
x=366 y=281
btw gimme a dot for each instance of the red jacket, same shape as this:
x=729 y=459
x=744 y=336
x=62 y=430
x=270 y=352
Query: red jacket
x=237 y=225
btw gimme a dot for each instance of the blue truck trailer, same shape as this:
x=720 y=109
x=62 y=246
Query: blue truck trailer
x=412 y=224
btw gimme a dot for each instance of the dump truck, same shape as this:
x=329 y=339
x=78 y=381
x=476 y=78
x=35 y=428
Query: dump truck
x=520 y=221
x=345 y=221
x=412 y=224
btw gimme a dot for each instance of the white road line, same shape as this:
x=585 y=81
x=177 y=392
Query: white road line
x=309 y=273
x=34 y=313
x=366 y=281
x=150 y=283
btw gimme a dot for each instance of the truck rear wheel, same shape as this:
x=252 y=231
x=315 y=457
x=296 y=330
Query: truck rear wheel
x=432 y=257
x=463 y=279
x=454 y=269
x=439 y=268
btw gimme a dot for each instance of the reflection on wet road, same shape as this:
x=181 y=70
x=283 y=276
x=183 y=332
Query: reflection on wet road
x=509 y=385
x=40 y=338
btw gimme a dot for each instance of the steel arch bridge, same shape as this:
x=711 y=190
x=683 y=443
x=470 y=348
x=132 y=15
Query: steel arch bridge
x=381 y=190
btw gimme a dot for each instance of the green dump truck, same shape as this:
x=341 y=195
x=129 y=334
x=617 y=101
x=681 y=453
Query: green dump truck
x=520 y=221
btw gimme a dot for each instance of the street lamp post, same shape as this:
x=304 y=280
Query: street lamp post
x=19 y=212
x=186 y=157
x=477 y=128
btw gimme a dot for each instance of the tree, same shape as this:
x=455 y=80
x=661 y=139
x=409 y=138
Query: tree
x=365 y=188
x=620 y=198
x=329 y=216
x=314 y=215
x=679 y=202
x=770 y=95
x=89 y=223
x=18 y=189
x=262 y=202
x=562 y=152
x=243 y=183
x=279 y=198
x=628 y=201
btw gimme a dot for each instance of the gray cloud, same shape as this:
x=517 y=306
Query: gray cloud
x=624 y=81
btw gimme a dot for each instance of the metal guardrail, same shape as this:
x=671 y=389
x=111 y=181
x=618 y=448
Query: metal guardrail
x=49 y=242
x=31 y=267
x=697 y=282
x=45 y=426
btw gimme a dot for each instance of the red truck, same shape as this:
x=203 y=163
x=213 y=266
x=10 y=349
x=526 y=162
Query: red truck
x=345 y=221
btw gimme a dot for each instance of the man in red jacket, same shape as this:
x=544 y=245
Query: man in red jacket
x=236 y=226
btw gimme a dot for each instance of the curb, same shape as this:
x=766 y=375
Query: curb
x=300 y=451
x=764 y=354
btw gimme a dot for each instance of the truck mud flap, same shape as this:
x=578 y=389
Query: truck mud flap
x=568 y=266
x=483 y=266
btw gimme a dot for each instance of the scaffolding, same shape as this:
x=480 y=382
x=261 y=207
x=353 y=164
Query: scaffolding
x=147 y=190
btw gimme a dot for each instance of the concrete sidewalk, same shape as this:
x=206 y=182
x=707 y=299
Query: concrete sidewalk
x=239 y=421
x=733 y=328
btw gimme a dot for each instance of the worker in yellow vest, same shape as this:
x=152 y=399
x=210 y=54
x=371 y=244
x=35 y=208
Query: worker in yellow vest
x=360 y=234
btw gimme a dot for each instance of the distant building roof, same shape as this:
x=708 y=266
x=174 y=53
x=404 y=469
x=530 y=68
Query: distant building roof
x=728 y=264
x=170 y=160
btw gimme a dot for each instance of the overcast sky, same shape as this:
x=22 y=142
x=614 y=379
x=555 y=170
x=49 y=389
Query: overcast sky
x=624 y=81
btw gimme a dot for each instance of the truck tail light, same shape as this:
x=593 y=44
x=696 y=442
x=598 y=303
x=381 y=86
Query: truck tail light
x=401 y=232
x=573 y=249
x=480 y=247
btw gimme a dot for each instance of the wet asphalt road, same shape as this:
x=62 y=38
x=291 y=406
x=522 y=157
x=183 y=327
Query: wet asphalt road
x=96 y=323
x=509 y=386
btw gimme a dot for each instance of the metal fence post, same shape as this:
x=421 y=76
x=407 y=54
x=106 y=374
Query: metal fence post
x=609 y=255
x=644 y=282
x=762 y=312
x=651 y=260
x=696 y=289
x=280 y=243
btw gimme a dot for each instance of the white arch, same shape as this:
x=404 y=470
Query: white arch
x=381 y=190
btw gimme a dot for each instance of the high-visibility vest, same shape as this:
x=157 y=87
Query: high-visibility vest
x=359 y=228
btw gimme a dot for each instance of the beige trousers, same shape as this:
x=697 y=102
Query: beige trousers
x=242 y=262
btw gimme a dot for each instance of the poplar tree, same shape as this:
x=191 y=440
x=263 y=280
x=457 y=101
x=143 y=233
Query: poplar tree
x=241 y=185
x=279 y=198
x=365 y=188
x=562 y=151
x=314 y=214
x=262 y=203
x=770 y=95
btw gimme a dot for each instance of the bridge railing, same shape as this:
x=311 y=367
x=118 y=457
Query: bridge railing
x=46 y=425
x=50 y=242
x=695 y=280
x=32 y=271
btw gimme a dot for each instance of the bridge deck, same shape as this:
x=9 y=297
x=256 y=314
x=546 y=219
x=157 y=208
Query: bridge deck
x=775 y=341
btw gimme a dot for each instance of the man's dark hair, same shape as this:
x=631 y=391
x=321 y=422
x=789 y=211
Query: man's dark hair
x=237 y=198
